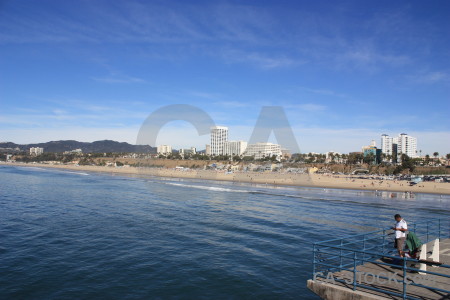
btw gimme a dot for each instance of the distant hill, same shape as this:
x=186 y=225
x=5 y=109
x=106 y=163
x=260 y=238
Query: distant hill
x=94 y=147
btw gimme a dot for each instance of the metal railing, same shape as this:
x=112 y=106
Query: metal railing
x=345 y=254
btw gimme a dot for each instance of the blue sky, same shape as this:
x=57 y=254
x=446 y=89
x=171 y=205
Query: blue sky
x=344 y=72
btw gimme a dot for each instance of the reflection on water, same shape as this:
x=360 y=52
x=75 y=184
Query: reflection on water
x=402 y=195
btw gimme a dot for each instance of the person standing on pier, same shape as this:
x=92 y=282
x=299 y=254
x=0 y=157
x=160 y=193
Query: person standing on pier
x=400 y=229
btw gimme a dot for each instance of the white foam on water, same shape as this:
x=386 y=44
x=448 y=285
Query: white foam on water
x=32 y=168
x=209 y=188
x=54 y=170
x=78 y=173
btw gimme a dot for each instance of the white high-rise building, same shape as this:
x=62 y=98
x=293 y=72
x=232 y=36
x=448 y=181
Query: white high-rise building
x=235 y=147
x=36 y=151
x=164 y=149
x=387 y=144
x=261 y=150
x=407 y=145
x=219 y=135
x=402 y=144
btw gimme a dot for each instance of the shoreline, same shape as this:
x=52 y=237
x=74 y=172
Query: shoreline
x=271 y=178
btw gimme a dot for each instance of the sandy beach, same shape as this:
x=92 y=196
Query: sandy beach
x=272 y=178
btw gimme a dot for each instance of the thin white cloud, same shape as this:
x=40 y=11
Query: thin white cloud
x=119 y=79
x=324 y=92
x=232 y=32
x=431 y=77
x=265 y=61
x=206 y=95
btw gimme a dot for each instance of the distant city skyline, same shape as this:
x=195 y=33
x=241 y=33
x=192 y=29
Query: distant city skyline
x=173 y=145
x=96 y=70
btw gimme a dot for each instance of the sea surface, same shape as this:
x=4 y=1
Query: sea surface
x=67 y=234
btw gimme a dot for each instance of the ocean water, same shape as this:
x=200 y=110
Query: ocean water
x=66 y=234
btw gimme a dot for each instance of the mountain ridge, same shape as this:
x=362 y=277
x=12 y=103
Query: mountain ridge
x=101 y=146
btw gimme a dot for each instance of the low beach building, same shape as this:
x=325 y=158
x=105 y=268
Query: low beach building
x=235 y=148
x=263 y=150
x=36 y=151
x=75 y=151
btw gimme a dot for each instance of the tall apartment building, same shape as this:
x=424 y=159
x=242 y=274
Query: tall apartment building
x=261 y=150
x=235 y=147
x=219 y=136
x=407 y=144
x=36 y=151
x=387 y=146
x=164 y=149
x=403 y=144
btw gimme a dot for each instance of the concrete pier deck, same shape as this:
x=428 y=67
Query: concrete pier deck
x=329 y=288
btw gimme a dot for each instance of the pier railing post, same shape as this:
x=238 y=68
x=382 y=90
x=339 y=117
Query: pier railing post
x=439 y=229
x=404 y=277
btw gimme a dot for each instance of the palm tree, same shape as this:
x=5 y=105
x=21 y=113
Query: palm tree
x=389 y=157
x=338 y=157
x=331 y=157
x=436 y=155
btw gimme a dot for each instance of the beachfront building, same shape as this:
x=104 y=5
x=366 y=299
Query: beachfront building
x=36 y=151
x=233 y=148
x=190 y=151
x=164 y=149
x=371 y=153
x=396 y=146
x=219 y=136
x=75 y=151
x=387 y=145
x=262 y=150
x=208 y=149
x=406 y=144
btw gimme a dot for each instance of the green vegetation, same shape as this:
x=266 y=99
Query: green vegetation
x=355 y=158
